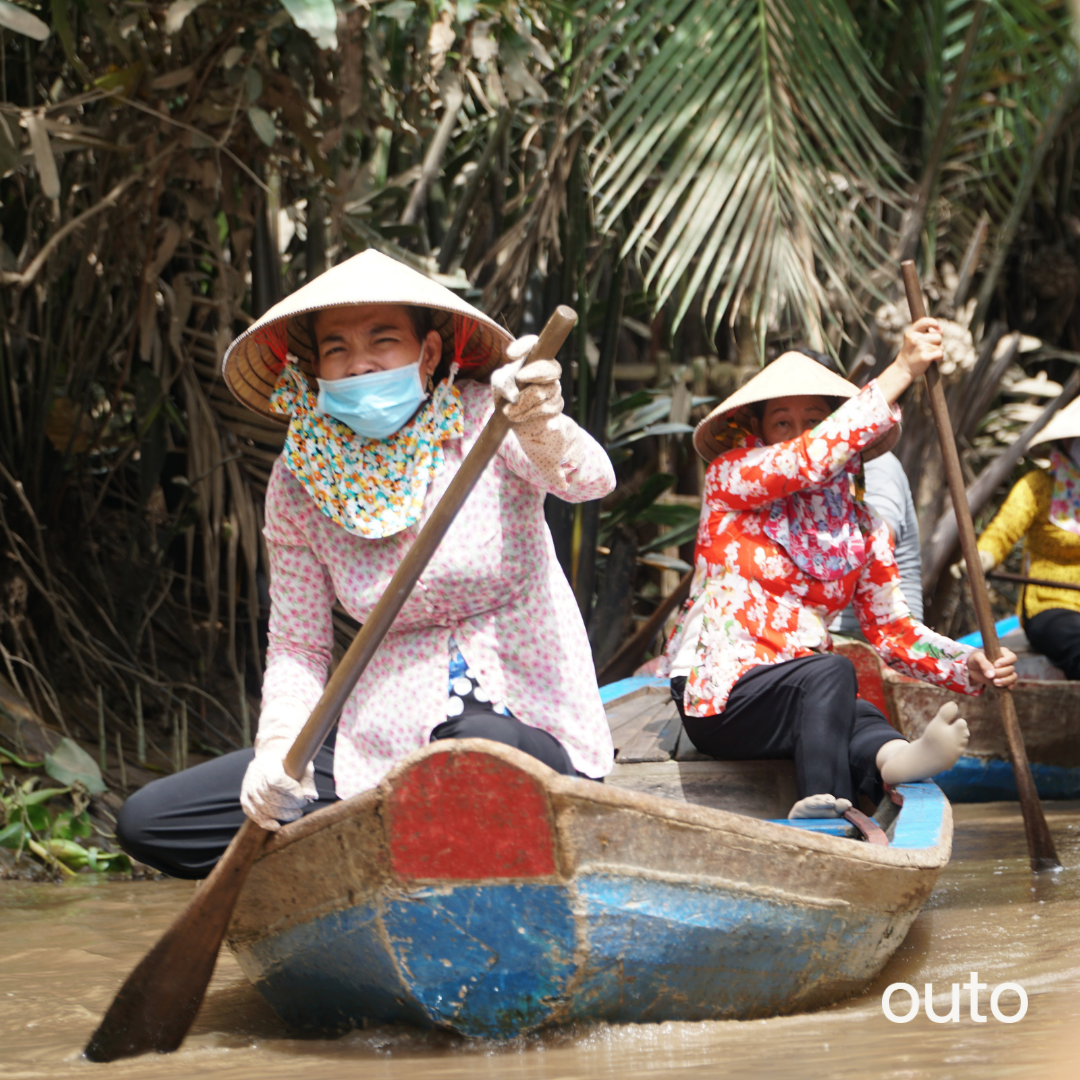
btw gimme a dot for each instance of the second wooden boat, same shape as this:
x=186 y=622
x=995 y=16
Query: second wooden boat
x=479 y=891
x=1048 y=708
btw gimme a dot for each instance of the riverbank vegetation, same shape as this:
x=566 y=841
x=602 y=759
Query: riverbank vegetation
x=52 y=810
x=706 y=184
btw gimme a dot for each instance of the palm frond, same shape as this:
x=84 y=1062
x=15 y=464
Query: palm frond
x=745 y=149
x=1017 y=91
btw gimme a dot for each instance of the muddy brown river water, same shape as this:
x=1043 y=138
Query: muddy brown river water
x=65 y=949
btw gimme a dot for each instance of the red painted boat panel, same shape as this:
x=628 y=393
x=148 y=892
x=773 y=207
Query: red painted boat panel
x=868 y=671
x=469 y=817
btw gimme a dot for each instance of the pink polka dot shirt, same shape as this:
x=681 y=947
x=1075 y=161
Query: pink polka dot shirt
x=494 y=584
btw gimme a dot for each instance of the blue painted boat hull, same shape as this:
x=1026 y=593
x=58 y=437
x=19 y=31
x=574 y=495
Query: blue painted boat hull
x=497 y=960
x=647 y=910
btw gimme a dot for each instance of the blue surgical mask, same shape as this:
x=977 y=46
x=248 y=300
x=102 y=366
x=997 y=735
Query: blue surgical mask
x=374 y=405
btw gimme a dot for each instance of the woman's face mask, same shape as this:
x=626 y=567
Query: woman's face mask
x=375 y=405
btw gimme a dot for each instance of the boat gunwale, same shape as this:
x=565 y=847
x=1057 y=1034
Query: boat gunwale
x=564 y=791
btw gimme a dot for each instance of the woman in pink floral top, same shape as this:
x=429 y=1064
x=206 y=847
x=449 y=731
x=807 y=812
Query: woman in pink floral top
x=783 y=546
x=381 y=377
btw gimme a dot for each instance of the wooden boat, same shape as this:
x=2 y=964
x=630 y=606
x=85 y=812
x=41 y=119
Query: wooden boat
x=479 y=891
x=1047 y=706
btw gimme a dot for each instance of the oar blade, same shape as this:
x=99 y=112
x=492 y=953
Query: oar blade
x=157 y=1004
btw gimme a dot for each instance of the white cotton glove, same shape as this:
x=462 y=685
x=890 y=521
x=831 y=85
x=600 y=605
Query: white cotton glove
x=959 y=570
x=268 y=794
x=532 y=400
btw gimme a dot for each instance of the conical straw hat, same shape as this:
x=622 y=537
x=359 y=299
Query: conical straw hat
x=790 y=374
x=1065 y=425
x=254 y=360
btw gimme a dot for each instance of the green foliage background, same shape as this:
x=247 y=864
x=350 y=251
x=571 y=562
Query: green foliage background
x=705 y=182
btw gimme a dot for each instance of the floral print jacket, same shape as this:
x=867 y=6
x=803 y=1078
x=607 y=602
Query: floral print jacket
x=494 y=584
x=750 y=604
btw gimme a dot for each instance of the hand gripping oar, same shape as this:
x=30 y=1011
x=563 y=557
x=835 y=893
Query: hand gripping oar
x=1039 y=841
x=157 y=1005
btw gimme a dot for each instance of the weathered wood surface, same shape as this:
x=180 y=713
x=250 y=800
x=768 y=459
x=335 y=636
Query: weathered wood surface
x=645 y=726
x=655 y=739
x=476 y=889
x=760 y=789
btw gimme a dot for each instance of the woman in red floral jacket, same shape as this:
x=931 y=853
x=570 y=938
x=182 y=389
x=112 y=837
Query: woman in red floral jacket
x=783 y=546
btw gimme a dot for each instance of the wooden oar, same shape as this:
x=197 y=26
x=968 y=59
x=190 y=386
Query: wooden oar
x=1039 y=841
x=1023 y=579
x=157 y=1005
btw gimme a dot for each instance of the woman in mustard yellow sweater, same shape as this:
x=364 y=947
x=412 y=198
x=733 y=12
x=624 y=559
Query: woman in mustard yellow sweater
x=1044 y=507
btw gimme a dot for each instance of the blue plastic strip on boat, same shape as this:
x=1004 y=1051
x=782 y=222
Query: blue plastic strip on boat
x=829 y=826
x=1006 y=626
x=918 y=826
x=974 y=779
x=921 y=816
x=619 y=689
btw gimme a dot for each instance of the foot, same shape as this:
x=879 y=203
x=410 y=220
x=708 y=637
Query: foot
x=937 y=749
x=819 y=806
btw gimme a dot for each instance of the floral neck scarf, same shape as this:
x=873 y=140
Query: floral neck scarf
x=370 y=487
x=818 y=528
x=1065 y=498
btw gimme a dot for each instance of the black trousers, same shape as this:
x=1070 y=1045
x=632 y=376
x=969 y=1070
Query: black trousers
x=182 y=824
x=1056 y=634
x=805 y=710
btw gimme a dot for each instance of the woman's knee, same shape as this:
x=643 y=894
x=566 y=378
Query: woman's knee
x=132 y=822
x=137 y=827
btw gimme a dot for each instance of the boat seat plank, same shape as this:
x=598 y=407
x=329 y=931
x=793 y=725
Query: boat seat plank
x=631 y=718
x=627 y=732
x=655 y=739
x=647 y=714
x=687 y=751
x=761 y=789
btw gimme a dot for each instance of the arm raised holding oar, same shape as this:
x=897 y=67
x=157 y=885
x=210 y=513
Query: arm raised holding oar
x=468 y=612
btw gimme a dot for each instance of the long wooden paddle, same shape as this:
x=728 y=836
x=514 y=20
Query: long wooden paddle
x=1023 y=579
x=157 y=1004
x=1039 y=841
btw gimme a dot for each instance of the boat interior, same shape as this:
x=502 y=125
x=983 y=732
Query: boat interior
x=653 y=755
